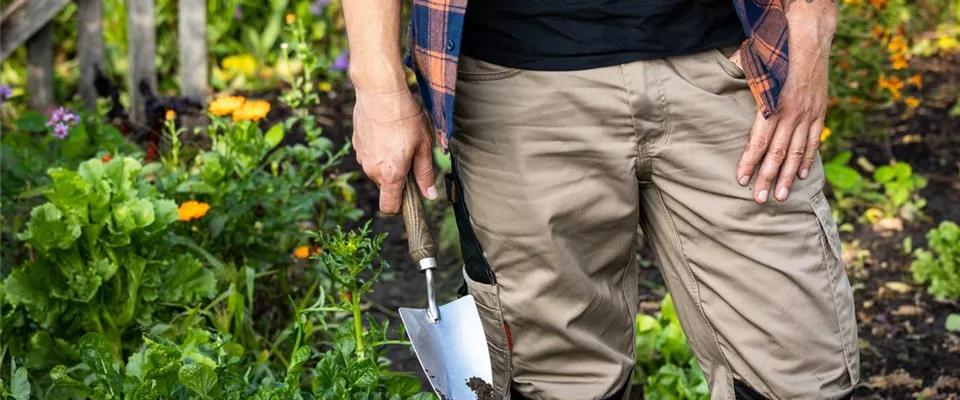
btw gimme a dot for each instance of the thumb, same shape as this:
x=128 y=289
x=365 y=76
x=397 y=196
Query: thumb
x=423 y=171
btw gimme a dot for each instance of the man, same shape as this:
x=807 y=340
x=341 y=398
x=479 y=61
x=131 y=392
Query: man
x=570 y=122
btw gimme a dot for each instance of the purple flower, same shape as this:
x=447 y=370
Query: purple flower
x=342 y=62
x=5 y=92
x=56 y=116
x=238 y=12
x=60 y=131
x=72 y=119
x=318 y=5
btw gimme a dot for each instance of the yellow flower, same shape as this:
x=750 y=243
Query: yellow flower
x=226 y=105
x=911 y=102
x=825 y=134
x=947 y=42
x=242 y=63
x=916 y=80
x=897 y=45
x=253 y=110
x=325 y=86
x=192 y=210
x=877 y=32
x=899 y=61
x=171 y=114
x=291 y=18
x=853 y=1
x=302 y=252
x=893 y=84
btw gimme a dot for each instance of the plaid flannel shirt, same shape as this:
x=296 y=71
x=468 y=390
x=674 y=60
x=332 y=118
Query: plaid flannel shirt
x=434 y=48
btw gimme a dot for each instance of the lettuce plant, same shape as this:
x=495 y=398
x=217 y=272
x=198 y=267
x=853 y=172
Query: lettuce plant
x=102 y=256
x=665 y=364
x=940 y=265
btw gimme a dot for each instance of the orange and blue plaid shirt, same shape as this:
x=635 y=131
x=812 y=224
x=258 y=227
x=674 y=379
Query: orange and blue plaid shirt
x=434 y=48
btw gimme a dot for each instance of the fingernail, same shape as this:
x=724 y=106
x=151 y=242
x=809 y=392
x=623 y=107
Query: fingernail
x=762 y=196
x=803 y=173
x=782 y=194
x=744 y=180
x=432 y=193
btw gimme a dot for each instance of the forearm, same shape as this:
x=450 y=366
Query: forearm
x=373 y=28
x=812 y=24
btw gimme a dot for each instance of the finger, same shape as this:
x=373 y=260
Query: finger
x=391 y=190
x=812 y=147
x=788 y=172
x=773 y=160
x=423 y=171
x=760 y=135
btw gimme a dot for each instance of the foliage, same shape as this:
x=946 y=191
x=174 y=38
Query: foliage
x=894 y=191
x=665 y=363
x=102 y=257
x=940 y=265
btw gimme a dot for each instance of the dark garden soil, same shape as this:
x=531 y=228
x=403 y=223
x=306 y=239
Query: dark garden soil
x=905 y=350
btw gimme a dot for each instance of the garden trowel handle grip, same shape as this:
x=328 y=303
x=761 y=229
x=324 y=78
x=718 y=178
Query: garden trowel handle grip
x=415 y=219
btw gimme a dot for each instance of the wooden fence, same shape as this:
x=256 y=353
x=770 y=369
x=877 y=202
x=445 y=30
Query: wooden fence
x=29 y=22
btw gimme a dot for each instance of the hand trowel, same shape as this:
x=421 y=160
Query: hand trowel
x=448 y=339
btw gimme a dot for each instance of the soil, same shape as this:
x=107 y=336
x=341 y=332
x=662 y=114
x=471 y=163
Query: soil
x=905 y=349
x=481 y=388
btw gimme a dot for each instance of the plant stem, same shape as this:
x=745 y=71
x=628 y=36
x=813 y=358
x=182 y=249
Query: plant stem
x=357 y=322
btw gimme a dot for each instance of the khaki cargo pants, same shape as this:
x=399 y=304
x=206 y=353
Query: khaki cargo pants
x=555 y=170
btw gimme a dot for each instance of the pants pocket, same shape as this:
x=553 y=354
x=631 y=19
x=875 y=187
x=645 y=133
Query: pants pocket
x=496 y=330
x=840 y=284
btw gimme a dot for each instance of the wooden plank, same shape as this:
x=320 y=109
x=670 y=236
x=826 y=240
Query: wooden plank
x=192 y=25
x=89 y=47
x=141 y=45
x=22 y=20
x=40 y=69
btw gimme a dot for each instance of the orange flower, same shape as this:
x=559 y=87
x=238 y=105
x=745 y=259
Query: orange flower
x=302 y=252
x=893 y=84
x=290 y=18
x=834 y=101
x=226 y=105
x=879 y=3
x=171 y=114
x=911 y=102
x=192 y=210
x=899 y=61
x=854 y=100
x=916 y=80
x=253 y=110
x=897 y=45
x=844 y=65
x=877 y=32
x=106 y=158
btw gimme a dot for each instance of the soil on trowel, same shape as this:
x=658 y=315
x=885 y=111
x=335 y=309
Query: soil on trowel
x=481 y=388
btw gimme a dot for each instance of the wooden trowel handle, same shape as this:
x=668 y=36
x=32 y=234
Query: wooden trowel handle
x=418 y=233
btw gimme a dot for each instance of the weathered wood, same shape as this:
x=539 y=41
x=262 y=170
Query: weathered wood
x=141 y=45
x=40 y=69
x=192 y=24
x=22 y=20
x=89 y=47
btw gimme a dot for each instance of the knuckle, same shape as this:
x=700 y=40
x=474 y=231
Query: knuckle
x=797 y=153
x=813 y=144
x=759 y=144
x=778 y=154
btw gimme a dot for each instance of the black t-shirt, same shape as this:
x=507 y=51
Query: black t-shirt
x=583 y=34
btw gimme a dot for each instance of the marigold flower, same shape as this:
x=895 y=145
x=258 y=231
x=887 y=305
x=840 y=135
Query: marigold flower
x=106 y=158
x=916 y=80
x=877 y=32
x=171 y=114
x=911 y=102
x=899 y=61
x=897 y=45
x=302 y=252
x=192 y=210
x=879 y=3
x=226 y=105
x=290 y=18
x=893 y=84
x=825 y=134
x=253 y=110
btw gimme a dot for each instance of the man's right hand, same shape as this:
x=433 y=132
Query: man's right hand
x=390 y=135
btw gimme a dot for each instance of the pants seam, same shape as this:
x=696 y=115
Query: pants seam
x=666 y=125
x=633 y=118
x=675 y=235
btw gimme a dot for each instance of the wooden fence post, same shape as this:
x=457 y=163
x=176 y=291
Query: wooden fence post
x=192 y=25
x=40 y=68
x=89 y=47
x=141 y=44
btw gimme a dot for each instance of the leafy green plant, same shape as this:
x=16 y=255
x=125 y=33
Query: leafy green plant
x=902 y=189
x=940 y=265
x=665 y=364
x=102 y=258
x=894 y=191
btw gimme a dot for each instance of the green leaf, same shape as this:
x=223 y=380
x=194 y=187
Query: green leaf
x=97 y=353
x=133 y=214
x=274 y=135
x=953 y=323
x=32 y=121
x=166 y=212
x=50 y=229
x=150 y=169
x=884 y=174
x=61 y=380
x=842 y=177
x=195 y=187
x=69 y=192
x=20 y=384
x=199 y=378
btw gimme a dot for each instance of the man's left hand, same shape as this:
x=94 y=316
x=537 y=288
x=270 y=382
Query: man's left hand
x=785 y=144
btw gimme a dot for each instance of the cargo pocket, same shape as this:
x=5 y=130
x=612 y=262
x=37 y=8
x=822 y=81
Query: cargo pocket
x=840 y=285
x=723 y=57
x=481 y=283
